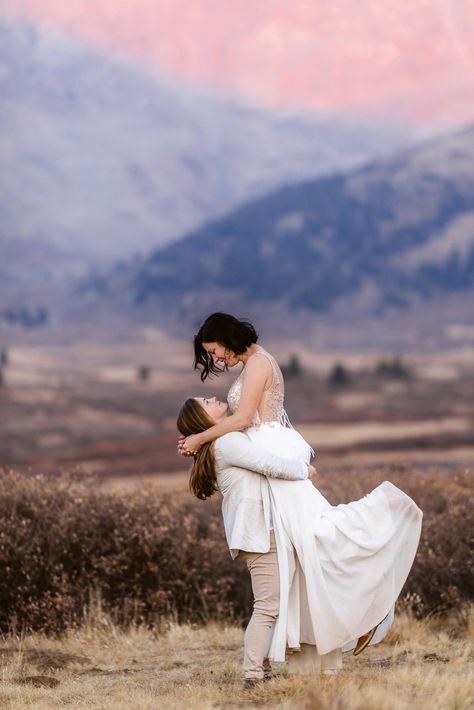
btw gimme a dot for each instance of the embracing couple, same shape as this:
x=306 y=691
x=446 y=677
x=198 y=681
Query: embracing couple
x=324 y=578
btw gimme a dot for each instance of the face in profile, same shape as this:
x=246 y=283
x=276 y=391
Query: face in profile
x=220 y=354
x=214 y=408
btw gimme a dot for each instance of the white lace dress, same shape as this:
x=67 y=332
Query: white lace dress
x=351 y=560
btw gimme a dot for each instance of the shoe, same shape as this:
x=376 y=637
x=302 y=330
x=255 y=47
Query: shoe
x=267 y=670
x=253 y=683
x=364 y=641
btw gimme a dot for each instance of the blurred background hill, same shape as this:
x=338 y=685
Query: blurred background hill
x=151 y=169
x=102 y=160
x=397 y=233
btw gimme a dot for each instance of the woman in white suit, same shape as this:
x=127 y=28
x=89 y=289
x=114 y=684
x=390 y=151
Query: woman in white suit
x=321 y=575
x=240 y=469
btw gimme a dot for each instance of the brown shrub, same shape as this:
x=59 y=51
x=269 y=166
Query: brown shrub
x=150 y=557
x=61 y=542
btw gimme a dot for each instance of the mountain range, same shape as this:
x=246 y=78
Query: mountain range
x=102 y=159
x=389 y=236
x=206 y=203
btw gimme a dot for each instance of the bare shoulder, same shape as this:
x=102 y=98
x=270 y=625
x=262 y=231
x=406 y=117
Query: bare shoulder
x=258 y=362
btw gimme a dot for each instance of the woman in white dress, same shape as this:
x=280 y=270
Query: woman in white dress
x=352 y=559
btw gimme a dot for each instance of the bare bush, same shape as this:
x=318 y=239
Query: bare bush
x=339 y=375
x=60 y=542
x=150 y=557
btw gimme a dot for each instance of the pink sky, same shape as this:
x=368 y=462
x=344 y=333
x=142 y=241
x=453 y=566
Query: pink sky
x=412 y=59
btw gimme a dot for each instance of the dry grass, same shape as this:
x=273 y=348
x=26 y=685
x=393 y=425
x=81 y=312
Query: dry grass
x=425 y=664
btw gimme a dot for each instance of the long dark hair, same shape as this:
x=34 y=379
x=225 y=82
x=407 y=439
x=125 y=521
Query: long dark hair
x=192 y=419
x=234 y=334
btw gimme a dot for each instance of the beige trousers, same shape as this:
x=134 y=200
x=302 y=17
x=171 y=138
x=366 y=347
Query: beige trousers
x=263 y=568
x=264 y=572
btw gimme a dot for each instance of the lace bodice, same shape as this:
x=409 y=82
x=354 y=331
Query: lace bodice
x=271 y=406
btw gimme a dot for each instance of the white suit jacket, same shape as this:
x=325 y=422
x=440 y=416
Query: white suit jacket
x=240 y=464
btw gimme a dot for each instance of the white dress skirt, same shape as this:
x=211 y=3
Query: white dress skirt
x=341 y=567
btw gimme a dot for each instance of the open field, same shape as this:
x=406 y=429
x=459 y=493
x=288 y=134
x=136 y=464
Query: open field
x=83 y=406
x=427 y=665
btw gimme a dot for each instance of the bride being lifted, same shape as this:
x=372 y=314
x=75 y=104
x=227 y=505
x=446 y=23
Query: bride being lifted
x=340 y=568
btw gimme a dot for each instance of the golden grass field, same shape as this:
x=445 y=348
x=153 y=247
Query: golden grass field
x=427 y=665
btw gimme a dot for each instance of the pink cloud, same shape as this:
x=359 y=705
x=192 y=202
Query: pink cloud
x=414 y=60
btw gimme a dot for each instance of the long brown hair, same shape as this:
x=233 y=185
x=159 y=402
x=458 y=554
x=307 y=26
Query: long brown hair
x=192 y=419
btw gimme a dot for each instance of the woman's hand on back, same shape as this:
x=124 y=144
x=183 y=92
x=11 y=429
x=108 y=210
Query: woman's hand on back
x=312 y=474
